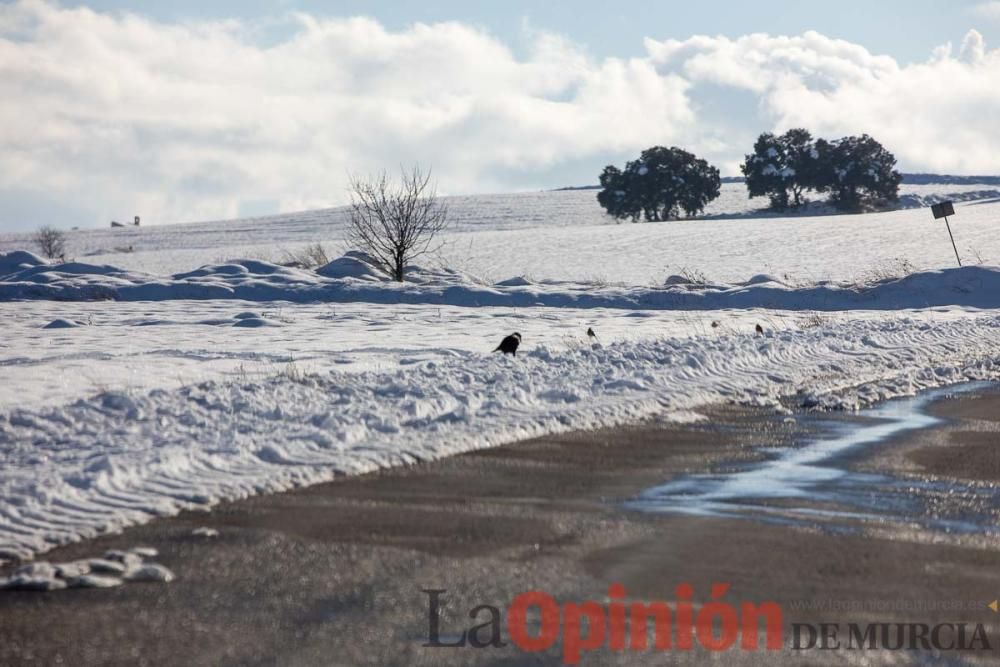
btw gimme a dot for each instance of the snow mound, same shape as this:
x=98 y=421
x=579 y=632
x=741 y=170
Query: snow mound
x=51 y=271
x=105 y=566
x=762 y=278
x=256 y=322
x=682 y=417
x=151 y=572
x=257 y=281
x=18 y=260
x=116 y=568
x=517 y=281
x=22 y=582
x=62 y=324
x=204 y=532
x=439 y=277
x=94 y=581
x=249 y=319
x=354 y=264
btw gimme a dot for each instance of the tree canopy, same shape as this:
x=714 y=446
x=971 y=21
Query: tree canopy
x=659 y=185
x=854 y=171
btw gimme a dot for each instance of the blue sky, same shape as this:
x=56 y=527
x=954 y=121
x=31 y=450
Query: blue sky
x=190 y=110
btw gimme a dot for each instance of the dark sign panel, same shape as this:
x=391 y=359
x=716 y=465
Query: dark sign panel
x=942 y=210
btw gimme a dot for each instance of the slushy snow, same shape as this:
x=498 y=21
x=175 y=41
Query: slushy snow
x=116 y=568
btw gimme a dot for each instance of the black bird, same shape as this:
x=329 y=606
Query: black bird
x=590 y=333
x=760 y=330
x=509 y=344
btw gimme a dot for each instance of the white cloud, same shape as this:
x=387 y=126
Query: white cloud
x=988 y=10
x=117 y=114
x=939 y=115
x=185 y=122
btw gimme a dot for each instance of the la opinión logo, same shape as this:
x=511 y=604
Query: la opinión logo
x=618 y=625
x=534 y=621
x=890 y=637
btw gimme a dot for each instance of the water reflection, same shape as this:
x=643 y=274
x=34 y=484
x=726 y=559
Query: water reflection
x=811 y=484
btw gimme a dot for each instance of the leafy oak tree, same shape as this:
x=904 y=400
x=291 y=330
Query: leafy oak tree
x=782 y=168
x=857 y=171
x=659 y=185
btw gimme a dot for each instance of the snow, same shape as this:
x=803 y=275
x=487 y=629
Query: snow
x=152 y=572
x=141 y=346
x=500 y=236
x=806 y=249
x=62 y=323
x=104 y=566
x=205 y=532
x=95 y=581
x=263 y=282
x=116 y=568
x=104 y=462
x=784 y=172
x=18 y=260
x=198 y=369
x=353 y=265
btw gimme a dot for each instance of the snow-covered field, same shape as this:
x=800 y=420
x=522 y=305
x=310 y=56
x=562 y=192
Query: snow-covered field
x=567 y=236
x=192 y=385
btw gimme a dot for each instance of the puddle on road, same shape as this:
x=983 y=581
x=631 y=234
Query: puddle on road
x=812 y=485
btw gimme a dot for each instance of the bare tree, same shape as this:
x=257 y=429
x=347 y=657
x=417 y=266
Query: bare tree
x=395 y=222
x=51 y=242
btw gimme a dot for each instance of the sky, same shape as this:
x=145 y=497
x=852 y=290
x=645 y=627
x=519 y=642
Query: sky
x=191 y=110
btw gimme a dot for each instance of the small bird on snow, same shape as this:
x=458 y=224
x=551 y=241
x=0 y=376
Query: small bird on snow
x=590 y=333
x=509 y=344
x=760 y=330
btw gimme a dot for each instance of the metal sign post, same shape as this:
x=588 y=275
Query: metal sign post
x=943 y=210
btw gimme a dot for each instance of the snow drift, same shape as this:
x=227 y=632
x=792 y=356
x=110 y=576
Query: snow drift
x=117 y=459
x=352 y=279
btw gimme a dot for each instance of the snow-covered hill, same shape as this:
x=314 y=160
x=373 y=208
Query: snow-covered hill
x=566 y=236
